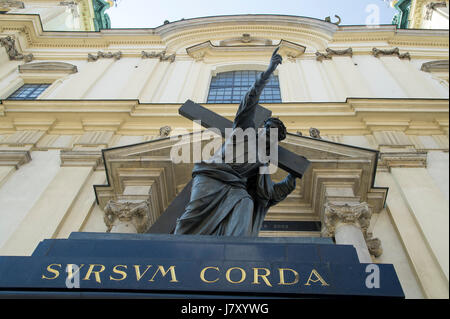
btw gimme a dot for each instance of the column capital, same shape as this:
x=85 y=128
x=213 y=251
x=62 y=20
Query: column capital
x=122 y=212
x=358 y=214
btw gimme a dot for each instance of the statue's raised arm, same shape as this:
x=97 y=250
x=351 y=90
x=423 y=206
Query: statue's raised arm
x=246 y=112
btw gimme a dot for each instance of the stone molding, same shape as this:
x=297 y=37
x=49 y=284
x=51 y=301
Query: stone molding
x=48 y=67
x=388 y=160
x=10 y=45
x=23 y=137
x=435 y=66
x=81 y=158
x=14 y=158
x=246 y=38
x=138 y=213
x=206 y=49
x=330 y=53
x=108 y=55
x=395 y=51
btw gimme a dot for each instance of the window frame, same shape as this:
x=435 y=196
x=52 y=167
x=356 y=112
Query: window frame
x=229 y=87
x=40 y=87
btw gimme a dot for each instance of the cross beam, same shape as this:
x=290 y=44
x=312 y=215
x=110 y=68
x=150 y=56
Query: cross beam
x=288 y=161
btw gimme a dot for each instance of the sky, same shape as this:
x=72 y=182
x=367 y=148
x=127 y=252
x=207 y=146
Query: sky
x=153 y=13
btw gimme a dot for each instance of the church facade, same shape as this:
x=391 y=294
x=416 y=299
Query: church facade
x=89 y=123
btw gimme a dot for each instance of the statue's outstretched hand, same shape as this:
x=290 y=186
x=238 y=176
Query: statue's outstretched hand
x=275 y=60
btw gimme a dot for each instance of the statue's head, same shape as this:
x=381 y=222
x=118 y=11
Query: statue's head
x=272 y=123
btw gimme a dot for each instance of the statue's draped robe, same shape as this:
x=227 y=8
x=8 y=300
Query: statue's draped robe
x=232 y=199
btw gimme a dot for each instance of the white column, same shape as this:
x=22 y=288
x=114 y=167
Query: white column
x=350 y=234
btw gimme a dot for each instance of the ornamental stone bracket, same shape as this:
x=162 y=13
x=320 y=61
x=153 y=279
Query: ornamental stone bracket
x=121 y=216
x=81 y=158
x=395 y=51
x=388 y=160
x=161 y=55
x=330 y=53
x=348 y=224
x=108 y=55
x=431 y=7
x=10 y=45
x=14 y=158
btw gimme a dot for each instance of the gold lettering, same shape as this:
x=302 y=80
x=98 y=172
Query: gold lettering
x=283 y=282
x=202 y=275
x=96 y=272
x=138 y=271
x=243 y=275
x=120 y=272
x=164 y=273
x=256 y=275
x=53 y=271
x=319 y=278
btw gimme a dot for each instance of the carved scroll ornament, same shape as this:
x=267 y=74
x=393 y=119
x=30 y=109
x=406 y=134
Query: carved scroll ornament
x=161 y=55
x=395 y=51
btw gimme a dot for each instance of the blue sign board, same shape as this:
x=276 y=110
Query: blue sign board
x=170 y=265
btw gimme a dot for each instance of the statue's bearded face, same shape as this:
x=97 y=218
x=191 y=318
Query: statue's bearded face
x=275 y=124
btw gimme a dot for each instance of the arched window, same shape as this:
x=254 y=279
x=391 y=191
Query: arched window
x=230 y=87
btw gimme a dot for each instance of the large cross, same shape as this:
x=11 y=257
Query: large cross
x=288 y=161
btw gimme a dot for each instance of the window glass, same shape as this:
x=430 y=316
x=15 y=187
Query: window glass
x=29 y=91
x=230 y=87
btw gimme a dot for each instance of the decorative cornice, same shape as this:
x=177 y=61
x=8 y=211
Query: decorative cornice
x=246 y=38
x=190 y=31
x=14 y=158
x=10 y=45
x=396 y=51
x=207 y=49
